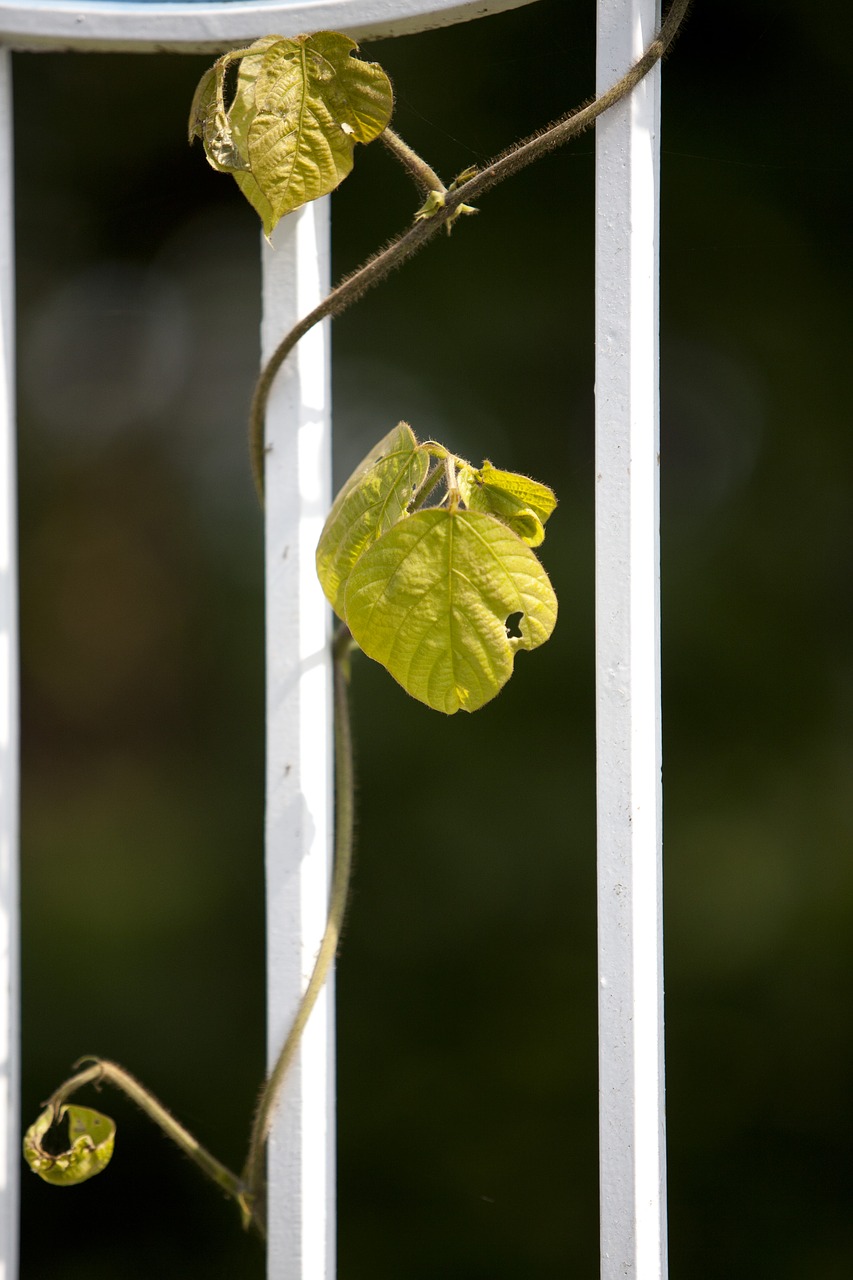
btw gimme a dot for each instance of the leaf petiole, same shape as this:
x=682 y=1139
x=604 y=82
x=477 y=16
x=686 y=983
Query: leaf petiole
x=417 y=168
x=453 y=495
x=426 y=488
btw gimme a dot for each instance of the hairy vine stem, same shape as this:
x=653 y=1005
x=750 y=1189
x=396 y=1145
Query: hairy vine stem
x=353 y=287
x=377 y=267
x=103 y=1071
x=254 y=1171
x=249 y=1188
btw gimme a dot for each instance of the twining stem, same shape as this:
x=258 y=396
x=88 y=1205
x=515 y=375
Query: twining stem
x=111 y=1073
x=254 y=1170
x=249 y=1189
x=377 y=267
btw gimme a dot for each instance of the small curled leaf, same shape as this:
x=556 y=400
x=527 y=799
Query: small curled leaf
x=91 y=1138
x=518 y=501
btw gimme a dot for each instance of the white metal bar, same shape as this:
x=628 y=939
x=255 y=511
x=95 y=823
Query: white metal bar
x=10 y=1149
x=632 y=1135
x=301 y=1155
x=196 y=27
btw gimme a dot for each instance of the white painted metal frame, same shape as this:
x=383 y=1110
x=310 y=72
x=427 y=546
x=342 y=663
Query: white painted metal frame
x=631 y=1065
x=145 y=25
x=299 y=768
x=10 y=1151
x=299 y=819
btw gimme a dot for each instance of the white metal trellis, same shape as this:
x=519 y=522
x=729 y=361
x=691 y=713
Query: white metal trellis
x=630 y=962
x=9 y=1035
x=295 y=274
x=301 y=1154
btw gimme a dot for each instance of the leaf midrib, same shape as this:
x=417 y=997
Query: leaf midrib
x=449 y=574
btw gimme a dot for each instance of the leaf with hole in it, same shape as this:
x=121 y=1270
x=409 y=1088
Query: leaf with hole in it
x=221 y=129
x=313 y=102
x=376 y=496
x=240 y=116
x=203 y=107
x=431 y=600
x=299 y=108
x=86 y=1151
x=520 y=502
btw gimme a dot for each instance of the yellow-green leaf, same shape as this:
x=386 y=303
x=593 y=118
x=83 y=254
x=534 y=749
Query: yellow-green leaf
x=375 y=498
x=240 y=117
x=203 y=107
x=299 y=107
x=91 y=1138
x=432 y=598
x=520 y=502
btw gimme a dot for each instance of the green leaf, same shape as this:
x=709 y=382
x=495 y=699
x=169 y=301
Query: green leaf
x=431 y=600
x=376 y=496
x=518 y=501
x=299 y=108
x=91 y=1138
x=203 y=109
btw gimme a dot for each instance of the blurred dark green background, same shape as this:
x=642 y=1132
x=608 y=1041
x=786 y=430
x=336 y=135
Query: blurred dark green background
x=467 y=1043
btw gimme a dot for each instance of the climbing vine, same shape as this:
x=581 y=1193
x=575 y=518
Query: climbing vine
x=427 y=560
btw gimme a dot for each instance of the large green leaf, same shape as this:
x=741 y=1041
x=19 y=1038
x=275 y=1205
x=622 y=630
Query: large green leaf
x=522 y=503
x=432 y=598
x=375 y=498
x=91 y=1138
x=299 y=108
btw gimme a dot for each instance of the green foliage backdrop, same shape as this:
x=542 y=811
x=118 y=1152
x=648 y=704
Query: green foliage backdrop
x=467 y=984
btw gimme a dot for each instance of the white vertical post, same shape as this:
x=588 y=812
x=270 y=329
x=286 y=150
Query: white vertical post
x=10 y=1152
x=301 y=1153
x=632 y=1134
